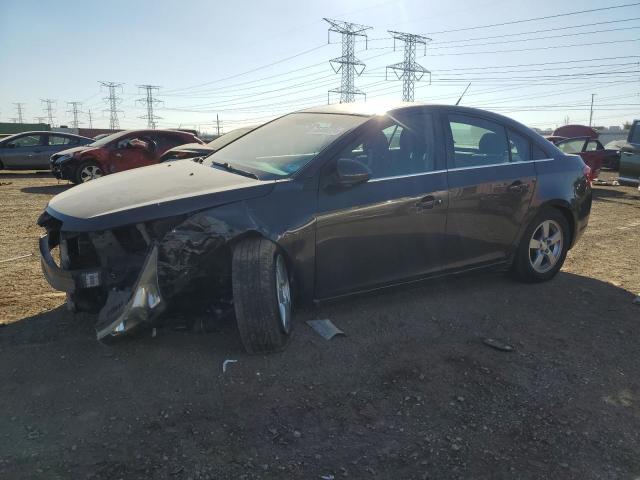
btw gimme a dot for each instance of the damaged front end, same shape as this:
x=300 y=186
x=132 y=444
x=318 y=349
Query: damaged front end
x=113 y=273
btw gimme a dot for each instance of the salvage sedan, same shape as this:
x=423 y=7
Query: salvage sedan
x=316 y=204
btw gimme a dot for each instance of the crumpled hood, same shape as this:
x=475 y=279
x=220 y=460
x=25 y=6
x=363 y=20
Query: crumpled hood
x=149 y=193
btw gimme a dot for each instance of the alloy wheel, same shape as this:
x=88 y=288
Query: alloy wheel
x=545 y=246
x=283 y=291
x=90 y=172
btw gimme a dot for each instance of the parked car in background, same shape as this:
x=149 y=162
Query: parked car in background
x=192 y=150
x=117 y=152
x=31 y=150
x=630 y=157
x=592 y=153
x=317 y=204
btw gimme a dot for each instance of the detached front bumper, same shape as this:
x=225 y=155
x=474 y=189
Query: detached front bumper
x=126 y=308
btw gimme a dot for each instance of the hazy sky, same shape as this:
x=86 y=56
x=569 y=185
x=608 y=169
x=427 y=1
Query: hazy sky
x=235 y=58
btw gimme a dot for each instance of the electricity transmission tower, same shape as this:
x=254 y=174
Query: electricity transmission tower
x=347 y=64
x=409 y=71
x=149 y=102
x=40 y=119
x=19 y=118
x=74 y=111
x=48 y=109
x=113 y=101
x=90 y=119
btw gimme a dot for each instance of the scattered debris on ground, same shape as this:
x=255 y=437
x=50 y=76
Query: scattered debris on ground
x=325 y=328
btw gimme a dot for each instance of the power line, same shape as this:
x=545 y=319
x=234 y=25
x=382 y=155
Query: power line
x=19 y=110
x=411 y=70
x=547 y=17
x=74 y=111
x=113 y=100
x=347 y=64
x=40 y=119
x=149 y=102
x=48 y=109
x=248 y=71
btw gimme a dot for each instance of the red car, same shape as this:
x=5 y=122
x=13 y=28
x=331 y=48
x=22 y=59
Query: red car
x=592 y=152
x=116 y=153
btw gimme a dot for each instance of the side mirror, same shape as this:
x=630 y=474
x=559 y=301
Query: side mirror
x=350 y=172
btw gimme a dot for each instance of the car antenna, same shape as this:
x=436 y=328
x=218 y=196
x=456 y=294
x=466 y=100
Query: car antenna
x=465 y=91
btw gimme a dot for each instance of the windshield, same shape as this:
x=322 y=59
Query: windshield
x=282 y=147
x=227 y=138
x=109 y=138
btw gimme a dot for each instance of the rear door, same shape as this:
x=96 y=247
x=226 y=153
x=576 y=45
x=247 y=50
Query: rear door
x=22 y=153
x=491 y=182
x=630 y=156
x=55 y=143
x=392 y=227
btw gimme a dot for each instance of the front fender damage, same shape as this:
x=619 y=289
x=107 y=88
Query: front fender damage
x=126 y=310
x=146 y=269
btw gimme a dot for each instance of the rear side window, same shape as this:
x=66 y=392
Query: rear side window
x=477 y=142
x=60 y=140
x=520 y=147
x=572 y=146
x=537 y=153
x=634 y=135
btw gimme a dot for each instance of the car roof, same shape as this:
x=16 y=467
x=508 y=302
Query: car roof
x=371 y=109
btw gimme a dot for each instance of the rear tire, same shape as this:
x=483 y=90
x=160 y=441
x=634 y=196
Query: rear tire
x=261 y=295
x=86 y=171
x=543 y=247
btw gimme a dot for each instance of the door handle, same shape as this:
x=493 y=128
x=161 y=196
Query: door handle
x=428 y=202
x=516 y=187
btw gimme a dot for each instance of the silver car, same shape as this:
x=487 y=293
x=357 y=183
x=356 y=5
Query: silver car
x=31 y=150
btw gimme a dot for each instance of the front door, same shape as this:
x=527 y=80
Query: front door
x=392 y=227
x=132 y=152
x=23 y=153
x=491 y=182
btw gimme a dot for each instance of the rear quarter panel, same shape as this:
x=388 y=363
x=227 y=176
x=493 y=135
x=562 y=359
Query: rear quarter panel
x=561 y=184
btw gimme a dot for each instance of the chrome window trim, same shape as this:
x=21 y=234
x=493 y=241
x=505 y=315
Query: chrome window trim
x=458 y=169
x=407 y=176
x=503 y=164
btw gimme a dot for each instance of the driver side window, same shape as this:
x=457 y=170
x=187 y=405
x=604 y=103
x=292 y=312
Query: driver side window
x=394 y=148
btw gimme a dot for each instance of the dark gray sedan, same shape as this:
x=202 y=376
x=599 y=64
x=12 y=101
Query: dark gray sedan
x=317 y=204
x=31 y=150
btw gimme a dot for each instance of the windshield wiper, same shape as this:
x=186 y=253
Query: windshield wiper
x=227 y=166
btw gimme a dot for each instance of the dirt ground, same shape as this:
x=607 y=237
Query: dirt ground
x=411 y=392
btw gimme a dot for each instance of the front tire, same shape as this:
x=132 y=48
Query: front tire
x=261 y=295
x=86 y=171
x=543 y=247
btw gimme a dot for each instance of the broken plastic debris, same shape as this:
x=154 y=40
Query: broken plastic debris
x=325 y=328
x=227 y=362
x=327 y=476
x=498 y=345
x=16 y=258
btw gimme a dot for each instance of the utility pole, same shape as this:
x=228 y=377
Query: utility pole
x=90 y=119
x=347 y=64
x=409 y=71
x=218 y=124
x=19 y=118
x=74 y=111
x=149 y=101
x=48 y=109
x=591 y=111
x=113 y=101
